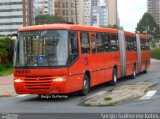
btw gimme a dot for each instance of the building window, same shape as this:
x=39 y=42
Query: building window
x=63 y=4
x=63 y=12
x=66 y=4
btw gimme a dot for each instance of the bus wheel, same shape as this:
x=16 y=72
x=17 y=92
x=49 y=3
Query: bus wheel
x=114 y=77
x=145 y=71
x=134 y=72
x=86 y=86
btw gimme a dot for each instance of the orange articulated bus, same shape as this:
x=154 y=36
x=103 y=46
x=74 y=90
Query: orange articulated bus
x=63 y=58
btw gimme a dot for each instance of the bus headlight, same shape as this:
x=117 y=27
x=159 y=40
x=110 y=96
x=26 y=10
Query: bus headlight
x=18 y=80
x=59 y=79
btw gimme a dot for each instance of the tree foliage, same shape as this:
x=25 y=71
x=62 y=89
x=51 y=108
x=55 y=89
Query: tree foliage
x=113 y=26
x=47 y=19
x=147 y=25
x=6 y=50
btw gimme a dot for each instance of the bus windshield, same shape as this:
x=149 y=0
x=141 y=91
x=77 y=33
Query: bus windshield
x=42 y=48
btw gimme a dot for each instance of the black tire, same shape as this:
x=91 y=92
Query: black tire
x=133 y=76
x=145 y=71
x=86 y=86
x=114 y=77
x=39 y=96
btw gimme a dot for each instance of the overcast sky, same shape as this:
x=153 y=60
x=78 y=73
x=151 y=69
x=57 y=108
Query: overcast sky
x=130 y=12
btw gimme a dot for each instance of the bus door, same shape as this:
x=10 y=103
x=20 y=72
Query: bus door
x=75 y=69
x=93 y=60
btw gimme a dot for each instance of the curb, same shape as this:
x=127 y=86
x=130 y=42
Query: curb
x=118 y=95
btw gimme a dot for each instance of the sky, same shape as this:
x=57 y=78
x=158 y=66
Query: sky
x=130 y=12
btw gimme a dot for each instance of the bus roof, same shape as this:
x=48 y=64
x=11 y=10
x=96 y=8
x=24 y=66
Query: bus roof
x=129 y=33
x=67 y=27
x=144 y=36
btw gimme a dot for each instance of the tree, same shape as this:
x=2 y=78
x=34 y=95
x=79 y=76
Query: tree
x=47 y=19
x=147 y=25
x=6 y=49
x=153 y=43
x=114 y=27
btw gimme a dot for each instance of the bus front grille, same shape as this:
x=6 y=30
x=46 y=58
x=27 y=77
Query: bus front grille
x=38 y=83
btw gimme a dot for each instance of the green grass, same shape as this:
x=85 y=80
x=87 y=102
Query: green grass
x=6 y=72
x=108 y=98
x=155 y=53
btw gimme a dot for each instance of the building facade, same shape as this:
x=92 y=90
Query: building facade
x=43 y=7
x=97 y=12
x=15 y=14
x=84 y=12
x=154 y=9
x=66 y=9
x=112 y=12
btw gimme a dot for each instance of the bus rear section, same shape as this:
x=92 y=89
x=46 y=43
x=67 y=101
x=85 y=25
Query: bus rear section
x=145 y=52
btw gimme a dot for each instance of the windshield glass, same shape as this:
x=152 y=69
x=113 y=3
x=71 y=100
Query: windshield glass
x=42 y=48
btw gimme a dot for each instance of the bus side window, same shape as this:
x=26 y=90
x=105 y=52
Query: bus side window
x=100 y=47
x=114 y=42
x=128 y=48
x=106 y=42
x=134 y=44
x=73 y=42
x=93 y=44
x=85 y=45
x=148 y=44
x=73 y=47
x=143 y=44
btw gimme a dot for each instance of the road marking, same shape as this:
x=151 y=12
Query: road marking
x=21 y=96
x=97 y=94
x=149 y=95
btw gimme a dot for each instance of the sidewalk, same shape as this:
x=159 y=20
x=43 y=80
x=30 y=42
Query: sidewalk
x=6 y=86
x=155 y=60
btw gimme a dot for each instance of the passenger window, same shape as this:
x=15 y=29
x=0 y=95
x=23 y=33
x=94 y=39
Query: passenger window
x=73 y=47
x=148 y=44
x=143 y=44
x=134 y=44
x=85 y=46
x=114 y=42
x=73 y=42
x=131 y=44
x=93 y=44
x=100 y=47
x=106 y=43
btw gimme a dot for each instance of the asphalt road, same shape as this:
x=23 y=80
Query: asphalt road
x=33 y=104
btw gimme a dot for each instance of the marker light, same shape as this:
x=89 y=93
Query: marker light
x=18 y=80
x=59 y=79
